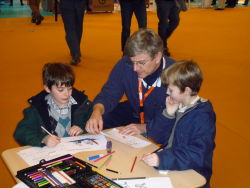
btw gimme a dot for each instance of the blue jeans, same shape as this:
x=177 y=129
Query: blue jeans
x=168 y=15
x=72 y=14
x=128 y=7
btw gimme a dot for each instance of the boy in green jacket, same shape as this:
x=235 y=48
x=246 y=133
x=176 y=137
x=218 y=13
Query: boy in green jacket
x=59 y=108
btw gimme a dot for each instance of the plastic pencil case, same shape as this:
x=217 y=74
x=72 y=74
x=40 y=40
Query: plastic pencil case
x=65 y=171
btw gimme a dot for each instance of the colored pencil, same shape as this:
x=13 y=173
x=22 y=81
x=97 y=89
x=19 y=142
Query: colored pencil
x=132 y=168
x=114 y=171
x=105 y=162
x=104 y=156
x=109 y=161
x=46 y=131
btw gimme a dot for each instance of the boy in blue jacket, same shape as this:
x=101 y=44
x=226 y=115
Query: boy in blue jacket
x=186 y=128
x=59 y=108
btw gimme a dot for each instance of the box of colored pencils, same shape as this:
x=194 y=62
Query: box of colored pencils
x=65 y=171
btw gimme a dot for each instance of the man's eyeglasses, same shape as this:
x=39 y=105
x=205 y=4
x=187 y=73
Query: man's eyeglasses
x=140 y=63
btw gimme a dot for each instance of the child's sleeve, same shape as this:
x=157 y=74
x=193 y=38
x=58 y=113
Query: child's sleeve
x=159 y=128
x=194 y=149
x=28 y=130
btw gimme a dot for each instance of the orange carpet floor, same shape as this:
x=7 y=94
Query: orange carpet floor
x=218 y=40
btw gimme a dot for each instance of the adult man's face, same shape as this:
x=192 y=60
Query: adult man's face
x=144 y=65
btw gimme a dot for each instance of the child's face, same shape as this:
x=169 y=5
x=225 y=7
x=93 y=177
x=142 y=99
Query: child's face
x=175 y=94
x=60 y=94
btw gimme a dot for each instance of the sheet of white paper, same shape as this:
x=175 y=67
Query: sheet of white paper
x=33 y=155
x=20 y=185
x=129 y=140
x=157 y=182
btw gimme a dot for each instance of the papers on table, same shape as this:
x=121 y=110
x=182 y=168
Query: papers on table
x=129 y=140
x=20 y=185
x=33 y=155
x=159 y=182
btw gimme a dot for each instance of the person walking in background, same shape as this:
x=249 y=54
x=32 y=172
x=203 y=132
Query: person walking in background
x=72 y=14
x=37 y=18
x=128 y=7
x=11 y=2
x=231 y=3
x=245 y=2
x=168 y=15
x=221 y=5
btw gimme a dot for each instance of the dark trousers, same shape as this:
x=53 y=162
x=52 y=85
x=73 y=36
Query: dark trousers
x=128 y=7
x=231 y=3
x=72 y=14
x=11 y=2
x=122 y=115
x=168 y=15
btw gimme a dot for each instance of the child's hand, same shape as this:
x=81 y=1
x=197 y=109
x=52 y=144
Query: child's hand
x=51 y=140
x=75 y=130
x=133 y=129
x=171 y=106
x=151 y=159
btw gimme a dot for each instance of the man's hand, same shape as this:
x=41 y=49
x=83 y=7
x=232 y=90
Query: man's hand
x=95 y=122
x=151 y=159
x=75 y=131
x=51 y=140
x=171 y=106
x=133 y=129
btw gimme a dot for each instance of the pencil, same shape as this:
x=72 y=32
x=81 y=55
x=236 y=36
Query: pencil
x=109 y=161
x=133 y=178
x=114 y=171
x=46 y=131
x=104 y=156
x=95 y=142
x=68 y=180
x=105 y=162
x=157 y=150
x=133 y=164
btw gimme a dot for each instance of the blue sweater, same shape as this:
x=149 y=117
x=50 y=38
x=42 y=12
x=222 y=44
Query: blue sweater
x=193 y=142
x=124 y=80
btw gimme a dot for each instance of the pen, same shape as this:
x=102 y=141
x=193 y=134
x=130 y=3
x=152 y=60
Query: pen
x=46 y=131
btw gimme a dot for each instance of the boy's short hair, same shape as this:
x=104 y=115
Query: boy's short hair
x=143 y=41
x=58 y=74
x=184 y=74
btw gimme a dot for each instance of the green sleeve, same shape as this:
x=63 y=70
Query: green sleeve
x=28 y=130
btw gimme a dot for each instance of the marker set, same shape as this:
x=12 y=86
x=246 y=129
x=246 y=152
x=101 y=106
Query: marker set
x=64 y=171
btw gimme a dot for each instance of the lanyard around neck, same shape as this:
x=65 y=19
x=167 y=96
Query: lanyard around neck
x=142 y=97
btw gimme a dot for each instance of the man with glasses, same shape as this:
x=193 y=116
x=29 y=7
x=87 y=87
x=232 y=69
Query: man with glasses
x=137 y=75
